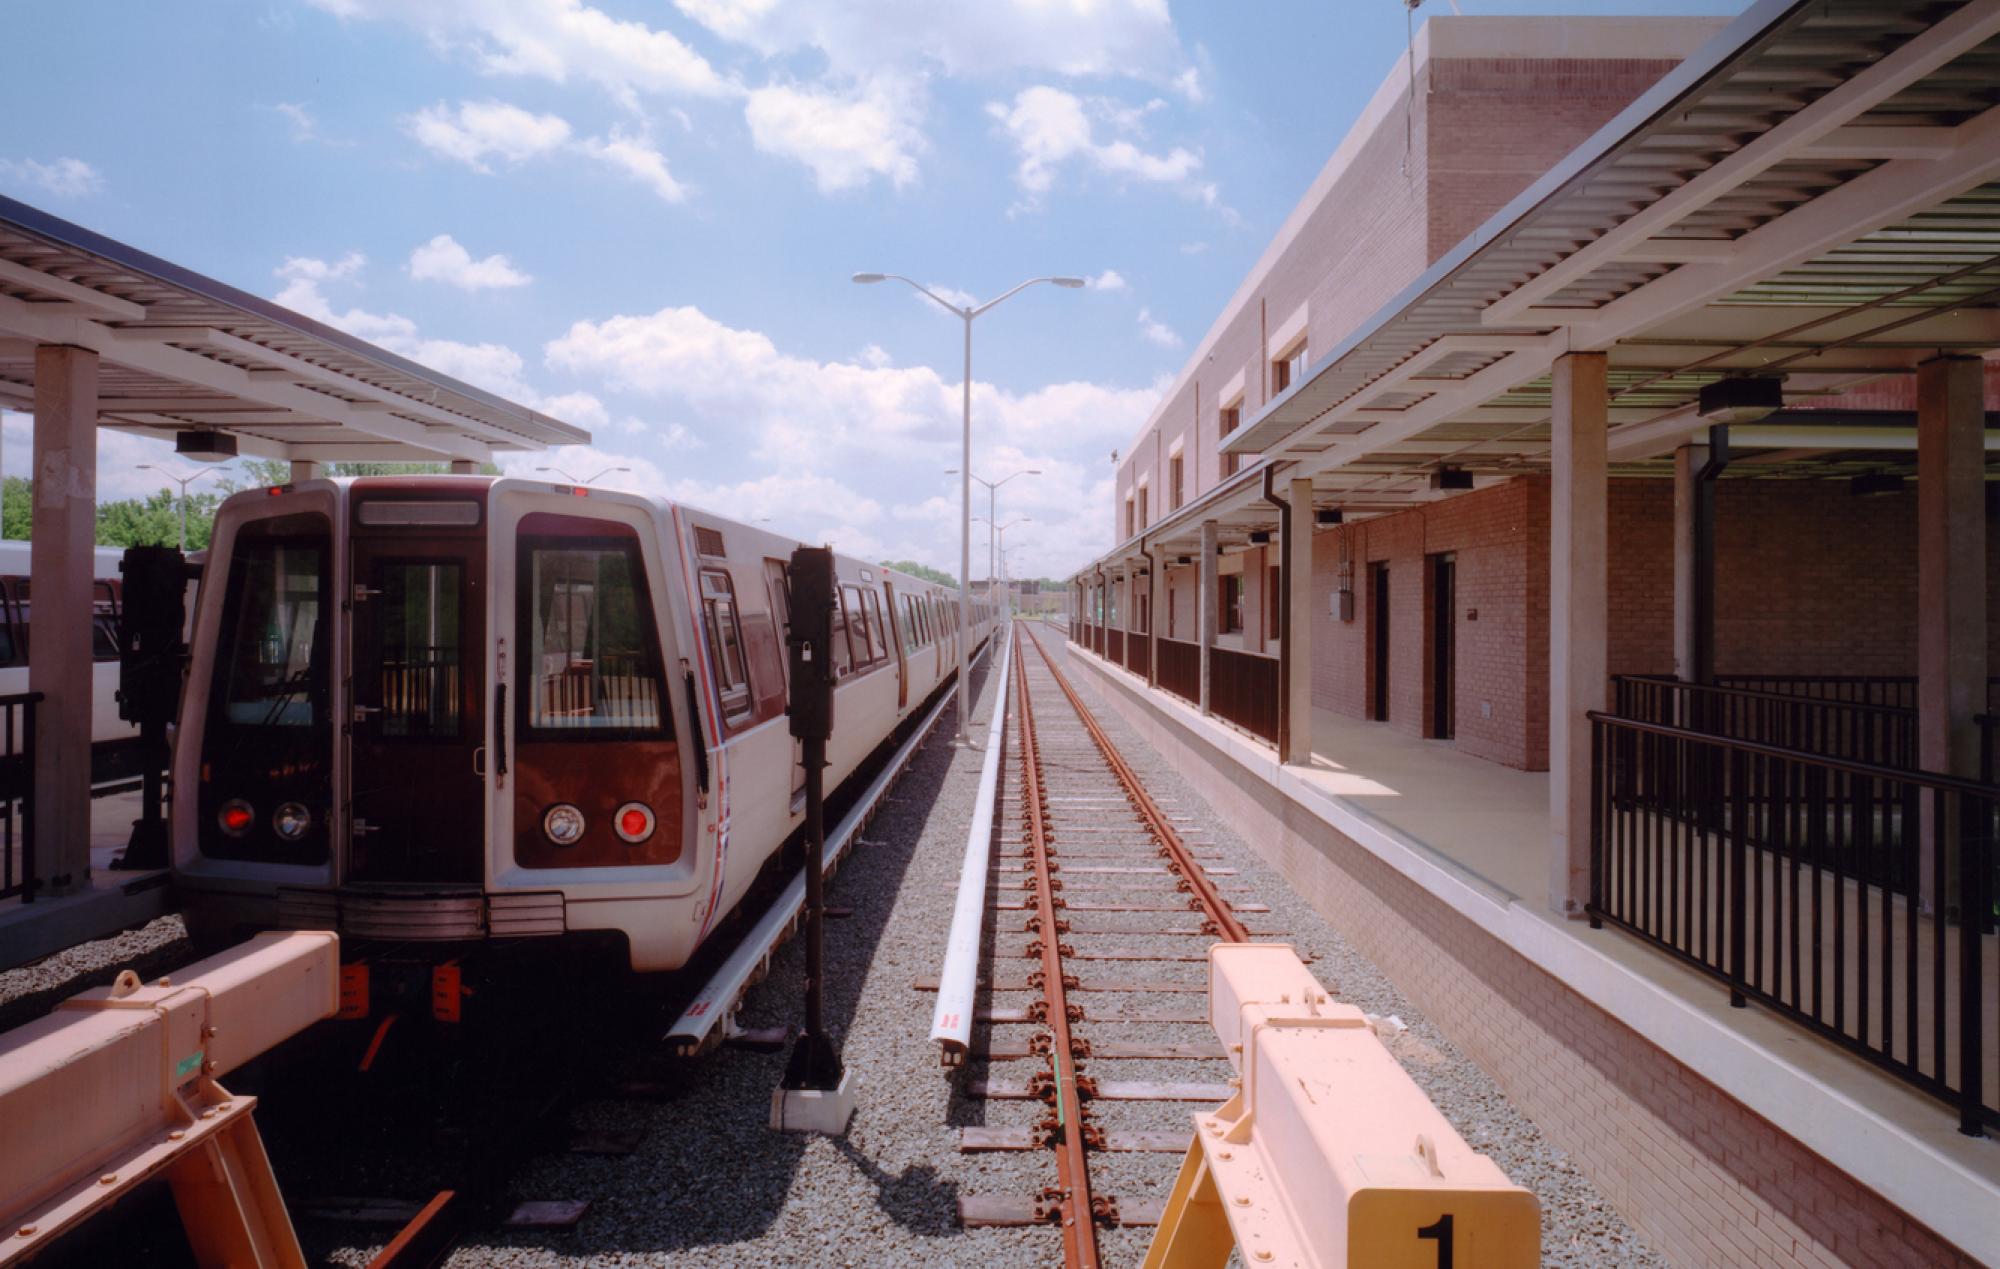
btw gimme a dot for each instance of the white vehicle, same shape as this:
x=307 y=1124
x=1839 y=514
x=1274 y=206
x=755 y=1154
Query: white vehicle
x=110 y=736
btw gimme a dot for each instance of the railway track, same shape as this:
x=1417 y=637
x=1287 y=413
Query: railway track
x=1102 y=904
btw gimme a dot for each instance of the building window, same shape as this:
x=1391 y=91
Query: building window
x=1176 y=486
x=1144 y=518
x=1131 y=517
x=1232 y=603
x=1288 y=369
x=1232 y=418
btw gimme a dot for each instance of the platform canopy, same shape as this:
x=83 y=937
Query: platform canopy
x=180 y=352
x=1814 y=194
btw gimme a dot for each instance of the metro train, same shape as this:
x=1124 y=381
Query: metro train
x=112 y=739
x=478 y=710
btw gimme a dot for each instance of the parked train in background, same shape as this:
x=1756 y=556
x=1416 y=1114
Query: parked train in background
x=115 y=756
x=466 y=709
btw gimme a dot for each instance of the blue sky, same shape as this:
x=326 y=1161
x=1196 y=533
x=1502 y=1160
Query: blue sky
x=641 y=216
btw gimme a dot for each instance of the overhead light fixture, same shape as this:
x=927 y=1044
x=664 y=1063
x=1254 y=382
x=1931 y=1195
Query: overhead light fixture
x=1451 y=478
x=1874 y=484
x=1184 y=559
x=1743 y=400
x=1260 y=537
x=1328 y=515
x=205 y=446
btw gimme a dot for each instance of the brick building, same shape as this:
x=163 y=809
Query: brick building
x=1573 y=562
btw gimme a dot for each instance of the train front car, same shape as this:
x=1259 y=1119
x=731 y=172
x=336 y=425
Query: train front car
x=444 y=710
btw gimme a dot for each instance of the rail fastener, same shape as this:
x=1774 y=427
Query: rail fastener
x=119 y=1085
x=1329 y=1155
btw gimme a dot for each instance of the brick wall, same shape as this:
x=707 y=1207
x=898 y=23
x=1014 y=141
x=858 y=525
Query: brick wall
x=1483 y=129
x=1706 y=1180
x=1501 y=706
x=1809 y=579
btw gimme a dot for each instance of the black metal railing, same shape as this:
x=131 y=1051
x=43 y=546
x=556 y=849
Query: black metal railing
x=17 y=795
x=1139 y=655
x=1854 y=899
x=1898 y=691
x=1243 y=688
x=1180 y=669
x=1884 y=735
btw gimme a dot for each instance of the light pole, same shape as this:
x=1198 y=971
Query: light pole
x=574 y=481
x=965 y=314
x=999 y=540
x=992 y=490
x=183 y=482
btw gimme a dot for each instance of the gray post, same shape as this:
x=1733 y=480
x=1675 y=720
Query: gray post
x=1204 y=604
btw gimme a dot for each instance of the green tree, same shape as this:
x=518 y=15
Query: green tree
x=924 y=571
x=19 y=514
x=262 y=472
x=156 y=520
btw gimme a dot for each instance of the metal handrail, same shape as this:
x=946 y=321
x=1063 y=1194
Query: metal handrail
x=1950 y=783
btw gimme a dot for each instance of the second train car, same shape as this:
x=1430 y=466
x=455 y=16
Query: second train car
x=465 y=709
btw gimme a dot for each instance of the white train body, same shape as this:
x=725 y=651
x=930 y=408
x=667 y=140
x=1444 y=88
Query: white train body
x=106 y=728
x=407 y=692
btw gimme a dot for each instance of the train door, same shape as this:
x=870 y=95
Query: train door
x=416 y=761
x=897 y=644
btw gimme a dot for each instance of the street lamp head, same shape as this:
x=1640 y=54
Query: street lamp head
x=865 y=278
x=1069 y=282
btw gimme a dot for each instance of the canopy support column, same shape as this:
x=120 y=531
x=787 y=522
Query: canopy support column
x=1204 y=607
x=1296 y=623
x=1578 y=609
x=304 y=469
x=1951 y=584
x=60 y=571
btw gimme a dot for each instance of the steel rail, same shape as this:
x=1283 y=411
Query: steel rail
x=958 y=978
x=722 y=994
x=1079 y=1222
x=1215 y=909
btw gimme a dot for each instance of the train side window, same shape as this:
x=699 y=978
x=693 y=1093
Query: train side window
x=843 y=659
x=878 y=634
x=858 y=632
x=910 y=637
x=592 y=660
x=725 y=642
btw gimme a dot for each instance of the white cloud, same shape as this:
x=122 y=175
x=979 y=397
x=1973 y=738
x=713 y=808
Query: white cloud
x=554 y=40
x=1109 y=280
x=1193 y=248
x=1157 y=331
x=1188 y=84
x=304 y=127
x=853 y=451
x=636 y=157
x=495 y=367
x=442 y=259
x=847 y=139
x=480 y=130
x=1051 y=128
x=65 y=178
x=1070 y=37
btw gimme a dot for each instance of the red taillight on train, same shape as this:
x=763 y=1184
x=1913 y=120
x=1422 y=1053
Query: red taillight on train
x=236 y=817
x=634 y=822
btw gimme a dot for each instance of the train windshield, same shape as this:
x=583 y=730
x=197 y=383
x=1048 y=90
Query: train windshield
x=266 y=787
x=272 y=662
x=590 y=654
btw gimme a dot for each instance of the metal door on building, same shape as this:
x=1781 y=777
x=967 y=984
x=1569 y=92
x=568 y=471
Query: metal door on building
x=416 y=766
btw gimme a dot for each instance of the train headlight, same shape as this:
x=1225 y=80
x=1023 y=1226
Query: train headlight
x=564 y=824
x=236 y=817
x=634 y=822
x=291 y=821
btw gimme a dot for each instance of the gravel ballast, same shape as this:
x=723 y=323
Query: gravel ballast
x=712 y=1184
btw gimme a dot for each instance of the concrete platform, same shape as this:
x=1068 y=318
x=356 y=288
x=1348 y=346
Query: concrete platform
x=113 y=901
x=1435 y=848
